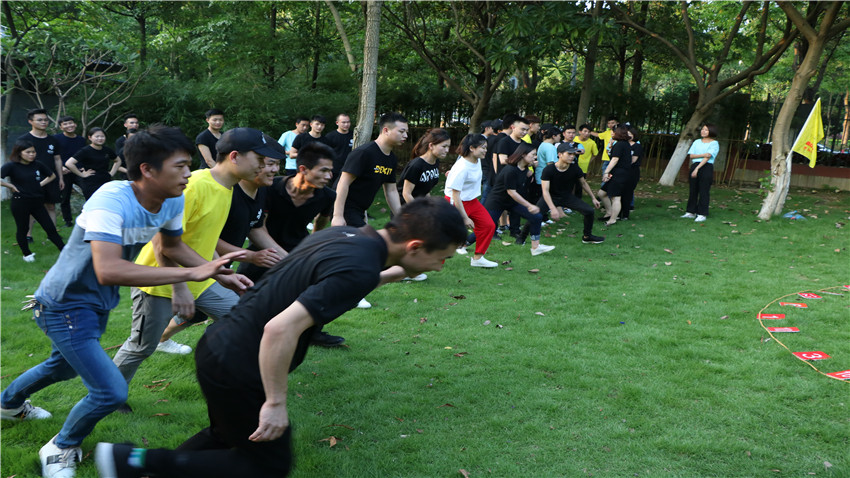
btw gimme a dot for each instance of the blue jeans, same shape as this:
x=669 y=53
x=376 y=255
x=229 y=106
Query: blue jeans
x=76 y=351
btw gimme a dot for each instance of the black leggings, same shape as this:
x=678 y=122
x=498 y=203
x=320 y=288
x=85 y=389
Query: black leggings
x=22 y=209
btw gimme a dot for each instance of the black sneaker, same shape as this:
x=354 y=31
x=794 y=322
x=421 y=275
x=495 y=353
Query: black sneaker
x=324 y=339
x=30 y=239
x=112 y=461
x=603 y=218
x=591 y=239
x=124 y=409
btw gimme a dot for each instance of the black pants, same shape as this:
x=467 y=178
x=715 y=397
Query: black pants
x=22 y=209
x=575 y=204
x=628 y=196
x=70 y=181
x=223 y=448
x=699 y=189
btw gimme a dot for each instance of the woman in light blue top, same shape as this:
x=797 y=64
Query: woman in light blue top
x=701 y=154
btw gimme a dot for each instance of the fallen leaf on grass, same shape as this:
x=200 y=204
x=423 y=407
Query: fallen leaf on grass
x=534 y=271
x=422 y=320
x=160 y=414
x=668 y=251
x=464 y=473
x=331 y=441
x=460 y=354
x=827 y=465
x=446 y=405
x=343 y=426
x=689 y=322
x=486 y=322
x=539 y=313
x=459 y=297
x=508 y=269
x=668 y=263
x=724 y=317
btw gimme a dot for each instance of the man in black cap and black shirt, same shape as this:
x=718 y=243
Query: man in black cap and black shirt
x=244 y=360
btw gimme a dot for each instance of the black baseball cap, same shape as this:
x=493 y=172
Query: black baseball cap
x=567 y=148
x=248 y=139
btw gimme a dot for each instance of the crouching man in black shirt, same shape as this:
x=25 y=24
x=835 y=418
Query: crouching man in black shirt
x=244 y=359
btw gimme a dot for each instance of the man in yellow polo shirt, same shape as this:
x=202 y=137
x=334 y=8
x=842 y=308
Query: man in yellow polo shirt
x=588 y=144
x=241 y=155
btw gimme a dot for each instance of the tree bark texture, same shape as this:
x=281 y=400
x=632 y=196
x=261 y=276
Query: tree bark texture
x=369 y=85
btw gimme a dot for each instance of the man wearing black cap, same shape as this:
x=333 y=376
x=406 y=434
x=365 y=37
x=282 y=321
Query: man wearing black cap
x=241 y=155
x=558 y=181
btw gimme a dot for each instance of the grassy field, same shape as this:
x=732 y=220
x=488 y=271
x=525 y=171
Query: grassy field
x=641 y=356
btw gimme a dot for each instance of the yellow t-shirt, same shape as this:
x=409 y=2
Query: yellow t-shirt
x=590 y=150
x=606 y=137
x=206 y=204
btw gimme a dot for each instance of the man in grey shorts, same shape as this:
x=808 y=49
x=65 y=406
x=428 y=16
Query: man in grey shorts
x=241 y=154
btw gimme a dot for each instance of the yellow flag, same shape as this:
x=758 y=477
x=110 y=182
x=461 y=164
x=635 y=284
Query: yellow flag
x=812 y=132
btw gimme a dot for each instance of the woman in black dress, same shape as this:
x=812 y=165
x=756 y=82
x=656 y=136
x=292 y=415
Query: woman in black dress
x=618 y=175
x=92 y=163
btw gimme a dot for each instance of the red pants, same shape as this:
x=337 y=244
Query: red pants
x=484 y=226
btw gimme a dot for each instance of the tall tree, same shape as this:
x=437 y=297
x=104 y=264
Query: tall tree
x=589 y=67
x=369 y=85
x=816 y=36
x=707 y=59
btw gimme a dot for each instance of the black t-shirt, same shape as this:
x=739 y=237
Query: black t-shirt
x=286 y=223
x=45 y=148
x=328 y=273
x=506 y=146
x=119 y=144
x=69 y=146
x=209 y=140
x=637 y=150
x=26 y=177
x=372 y=168
x=341 y=144
x=510 y=177
x=487 y=172
x=561 y=183
x=246 y=213
x=424 y=176
x=99 y=160
x=623 y=151
x=304 y=139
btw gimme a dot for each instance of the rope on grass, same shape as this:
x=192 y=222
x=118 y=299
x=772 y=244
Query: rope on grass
x=807 y=362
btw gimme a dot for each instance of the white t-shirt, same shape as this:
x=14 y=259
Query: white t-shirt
x=466 y=178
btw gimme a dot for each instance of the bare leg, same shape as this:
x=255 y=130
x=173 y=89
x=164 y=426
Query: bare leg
x=615 y=211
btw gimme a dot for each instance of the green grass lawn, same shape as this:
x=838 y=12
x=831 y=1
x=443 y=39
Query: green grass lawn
x=641 y=356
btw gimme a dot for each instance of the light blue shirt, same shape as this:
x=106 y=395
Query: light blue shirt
x=546 y=153
x=286 y=140
x=113 y=215
x=701 y=148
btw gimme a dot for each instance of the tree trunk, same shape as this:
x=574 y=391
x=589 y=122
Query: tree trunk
x=314 y=79
x=270 y=73
x=780 y=164
x=589 y=68
x=637 y=64
x=845 y=129
x=686 y=137
x=346 y=45
x=143 y=48
x=369 y=86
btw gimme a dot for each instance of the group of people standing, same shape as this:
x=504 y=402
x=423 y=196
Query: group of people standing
x=164 y=234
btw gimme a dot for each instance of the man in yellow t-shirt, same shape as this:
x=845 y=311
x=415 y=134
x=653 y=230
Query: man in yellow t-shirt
x=606 y=137
x=591 y=150
x=241 y=155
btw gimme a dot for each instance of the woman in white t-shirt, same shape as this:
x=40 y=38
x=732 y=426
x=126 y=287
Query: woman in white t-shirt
x=463 y=187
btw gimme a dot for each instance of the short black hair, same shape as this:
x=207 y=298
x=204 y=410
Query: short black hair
x=434 y=221
x=636 y=133
x=301 y=119
x=612 y=117
x=585 y=126
x=521 y=150
x=569 y=126
x=319 y=118
x=35 y=111
x=65 y=118
x=390 y=118
x=130 y=115
x=508 y=120
x=310 y=155
x=213 y=112
x=153 y=146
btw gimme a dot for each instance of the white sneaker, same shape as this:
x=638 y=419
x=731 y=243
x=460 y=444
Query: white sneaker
x=310 y=226
x=700 y=218
x=59 y=462
x=568 y=210
x=30 y=258
x=461 y=250
x=540 y=249
x=482 y=262
x=548 y=222
x=172 y=347
x=364 y=304
x=27 y=411
x=418 y=278
x=688 y=215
